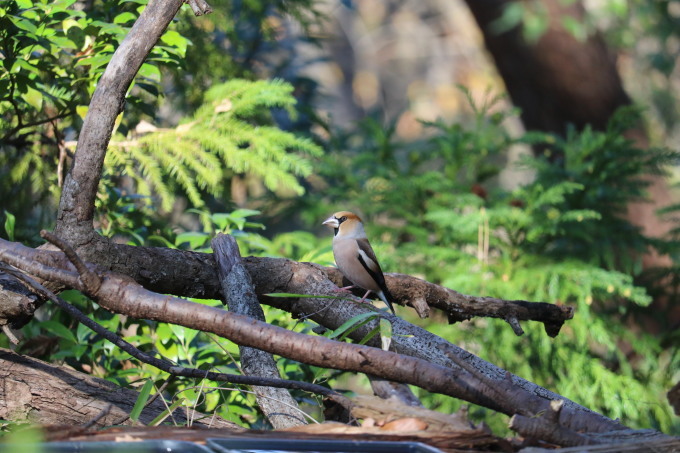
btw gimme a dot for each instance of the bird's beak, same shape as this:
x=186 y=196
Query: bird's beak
x=331 y=222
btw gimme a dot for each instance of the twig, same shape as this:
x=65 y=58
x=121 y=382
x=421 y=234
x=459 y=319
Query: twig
x=101 y=415
x=23 y=125
x=199 y=7
x=10 y=335
x=90 y=279
x=516 y=327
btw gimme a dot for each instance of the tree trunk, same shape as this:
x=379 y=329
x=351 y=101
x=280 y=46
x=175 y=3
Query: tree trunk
x=560 y=80
x=38 y=392
x=557 y=80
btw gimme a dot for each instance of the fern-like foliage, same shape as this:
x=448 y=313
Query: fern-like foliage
x=232 y=133
x=432 y=209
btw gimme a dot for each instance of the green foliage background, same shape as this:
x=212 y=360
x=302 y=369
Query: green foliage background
x=433 y=208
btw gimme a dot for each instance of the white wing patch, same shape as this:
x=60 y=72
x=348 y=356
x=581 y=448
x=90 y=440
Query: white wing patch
x=369 y=262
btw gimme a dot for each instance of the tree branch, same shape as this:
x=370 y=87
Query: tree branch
x=409 y=290
x=48 y=394
x=278 y=405
x=165 y=365
x=193 y=274
x=424 y=359
x=76 y=207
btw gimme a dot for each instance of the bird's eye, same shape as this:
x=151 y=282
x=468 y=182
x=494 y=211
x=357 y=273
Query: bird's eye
x=343 y=218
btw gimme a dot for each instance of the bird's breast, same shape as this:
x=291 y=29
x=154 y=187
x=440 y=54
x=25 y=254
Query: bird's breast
x=346 y=253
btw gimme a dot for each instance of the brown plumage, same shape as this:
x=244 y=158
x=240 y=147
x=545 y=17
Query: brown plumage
x=355 y=256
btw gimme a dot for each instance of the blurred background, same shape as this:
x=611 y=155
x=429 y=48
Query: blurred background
x=515 y=149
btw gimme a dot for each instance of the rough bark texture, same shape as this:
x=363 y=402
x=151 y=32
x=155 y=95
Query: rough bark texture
x=193 y=274
x=450 y=441
x=17 y=303
x=76 y=206
x=423 y=359
x=42 y=393
x=277 y=404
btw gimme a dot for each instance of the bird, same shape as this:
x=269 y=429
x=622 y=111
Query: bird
x=355 y=257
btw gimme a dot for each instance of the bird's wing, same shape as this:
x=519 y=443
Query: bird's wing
x=369 y=261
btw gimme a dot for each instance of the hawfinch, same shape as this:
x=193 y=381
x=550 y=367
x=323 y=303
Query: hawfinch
x=355 y=256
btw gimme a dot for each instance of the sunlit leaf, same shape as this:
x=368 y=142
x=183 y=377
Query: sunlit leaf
x=143 y=397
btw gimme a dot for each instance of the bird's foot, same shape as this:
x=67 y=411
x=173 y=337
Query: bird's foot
x=344 y=289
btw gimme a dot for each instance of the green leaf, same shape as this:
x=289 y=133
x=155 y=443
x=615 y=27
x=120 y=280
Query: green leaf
x=34 y=98
x=240 y=213
x=124 y=18
x=370 y=335
x=81 y=110
x=174 y=39
x=69 y=23
x=141 y=400
x=385 y=334
x=352 y=324
x=10 y=221
x=166 y=413
x=194 y=239
x=25 y=25
x=162 y=240
x=151 y=72
x=59 y=330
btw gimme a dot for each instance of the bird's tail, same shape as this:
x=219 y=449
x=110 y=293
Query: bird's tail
x=386 y=297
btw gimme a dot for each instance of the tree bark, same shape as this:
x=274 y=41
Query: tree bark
x=76 y=206
x=277 y=404
x=38 y=392
x=422 y=359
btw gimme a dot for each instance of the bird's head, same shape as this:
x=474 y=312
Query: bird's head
x=346 y=223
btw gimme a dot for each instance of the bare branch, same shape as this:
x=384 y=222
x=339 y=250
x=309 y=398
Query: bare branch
x=199 y=7
x=76 y=207
x=17 y=303
x=163 y=364
x=408 y=290
x=424 y=359
x=541 y=428
x=90 y=279
x=10 y=335
x=278 y=405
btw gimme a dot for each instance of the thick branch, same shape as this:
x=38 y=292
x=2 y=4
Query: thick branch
x=193 y=274
x=76 y=207
x=28 y=387
x=278 y=405
x=460 y=307
x=163 y=364
x=17 y=303
x=436 y=368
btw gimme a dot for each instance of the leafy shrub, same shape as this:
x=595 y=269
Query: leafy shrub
x=435 y=210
